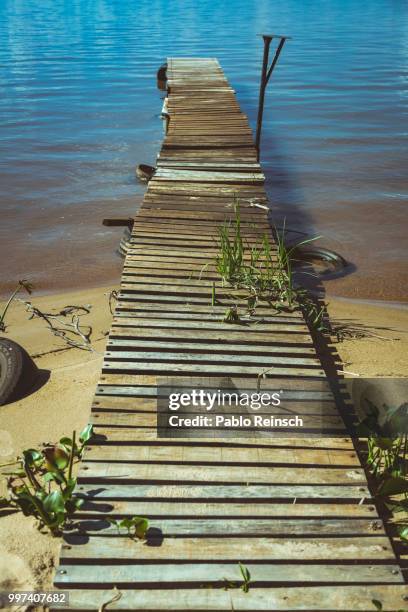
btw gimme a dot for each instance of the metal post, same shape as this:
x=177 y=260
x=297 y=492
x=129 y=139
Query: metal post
x=265 y=76
x=262 y=87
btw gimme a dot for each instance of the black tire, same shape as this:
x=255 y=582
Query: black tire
x=17 y=371
x=162 y=73
x=144 y=172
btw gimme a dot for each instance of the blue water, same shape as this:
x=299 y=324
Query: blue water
x=79 y=109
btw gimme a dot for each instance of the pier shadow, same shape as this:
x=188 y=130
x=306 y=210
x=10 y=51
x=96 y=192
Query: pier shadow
x=288 y=216
x=286 y=213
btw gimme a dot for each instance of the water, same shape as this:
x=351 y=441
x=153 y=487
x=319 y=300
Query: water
x=79 y=109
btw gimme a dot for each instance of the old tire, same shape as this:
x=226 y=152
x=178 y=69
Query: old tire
x=17 y=371
x=144 y=172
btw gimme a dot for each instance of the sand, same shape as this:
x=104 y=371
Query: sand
x=27 y=557
x=62 y=403
x=383 y=351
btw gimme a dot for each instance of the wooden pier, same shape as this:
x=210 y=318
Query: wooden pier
x=296 y=512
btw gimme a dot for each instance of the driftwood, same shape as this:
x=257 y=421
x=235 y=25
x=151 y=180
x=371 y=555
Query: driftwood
x=70 y=330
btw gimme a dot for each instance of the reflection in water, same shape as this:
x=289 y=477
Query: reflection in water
x=79 y=109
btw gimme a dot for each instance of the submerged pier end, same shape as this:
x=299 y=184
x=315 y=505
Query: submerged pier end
x=297 y=513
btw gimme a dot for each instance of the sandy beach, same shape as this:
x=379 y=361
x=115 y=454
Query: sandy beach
x=69 y=377
x=62 y=404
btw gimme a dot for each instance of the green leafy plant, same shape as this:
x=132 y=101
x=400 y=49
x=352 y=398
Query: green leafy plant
x=387 y=455
x=22 y=284
x=230 y=259
x=42 y=484
x=213 y=295
x=136 y=526
x=246 y=575
x=263 y=272
x=231 y=315
x=387 y=446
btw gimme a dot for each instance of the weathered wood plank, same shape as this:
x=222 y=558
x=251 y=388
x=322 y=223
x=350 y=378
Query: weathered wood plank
x=247 y=527
x=131 y=329
x=206 y=309
x=218 y=574
x=208 y=368
x=232 y=548
x=117 y=344
x=293 y=327
x=130 y=472
x=243 y=500
x=222 y=455
x=280 y=599
x=210 y=177
x=198 y=357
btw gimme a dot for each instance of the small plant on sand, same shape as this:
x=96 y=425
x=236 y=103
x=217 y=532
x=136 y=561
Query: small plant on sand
x=42 y=485
x=136 y=526
x=22 y=284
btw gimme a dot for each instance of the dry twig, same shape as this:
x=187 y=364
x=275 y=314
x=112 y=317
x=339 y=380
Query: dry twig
x=67 y=330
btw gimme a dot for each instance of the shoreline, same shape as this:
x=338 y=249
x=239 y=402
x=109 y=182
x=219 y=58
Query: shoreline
x=369 y=302
x=399 y=305
x=115 y=278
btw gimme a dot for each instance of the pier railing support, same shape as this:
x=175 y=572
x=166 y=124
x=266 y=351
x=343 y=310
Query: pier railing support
x=265 y=76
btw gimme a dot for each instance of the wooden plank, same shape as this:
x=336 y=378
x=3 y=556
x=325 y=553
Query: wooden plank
x=134 y=297
x=317 y=410
x=313 y=599
x=148 y=435
x=261 y=310
x=217 y=574
x=250 y=528
x=111 y=427
x=103 y=509
x=208 y=347
x=224 y=455
x=120 y=385
x=259 y=360
x=210 y=242
x=208 y=310
x=293 y=388
x=209 y=177
x=362 y=548
x=238 y=500
x=208 y=368
x=269 y=327
x=130 y=472
x=129 y=327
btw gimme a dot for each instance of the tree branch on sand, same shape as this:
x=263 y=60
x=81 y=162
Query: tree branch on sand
x=69 y=329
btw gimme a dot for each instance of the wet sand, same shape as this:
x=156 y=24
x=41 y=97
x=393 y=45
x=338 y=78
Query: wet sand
x=65 y=249
x=28 y=558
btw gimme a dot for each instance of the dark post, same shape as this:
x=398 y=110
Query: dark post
x=265 y=76
x=262 y=87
